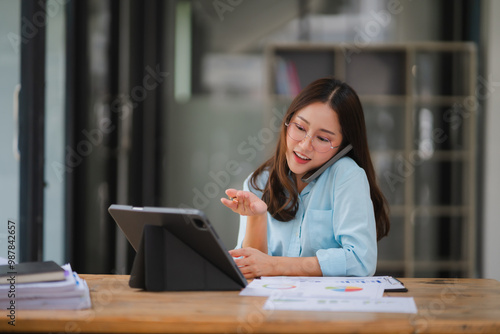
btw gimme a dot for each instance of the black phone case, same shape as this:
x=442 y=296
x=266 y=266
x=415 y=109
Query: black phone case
x=309 y=177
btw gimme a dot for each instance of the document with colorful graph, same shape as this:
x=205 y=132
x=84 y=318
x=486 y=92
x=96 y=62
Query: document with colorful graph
x=390 y=283
x=313 y=287
x=342 y=294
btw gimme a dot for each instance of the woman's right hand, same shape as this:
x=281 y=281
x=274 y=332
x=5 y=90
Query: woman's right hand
x=245 y=203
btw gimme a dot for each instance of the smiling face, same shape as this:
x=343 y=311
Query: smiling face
x=320 y=122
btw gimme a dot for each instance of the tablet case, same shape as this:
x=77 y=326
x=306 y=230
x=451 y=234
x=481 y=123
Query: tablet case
x=177 y=249
x=164 y=263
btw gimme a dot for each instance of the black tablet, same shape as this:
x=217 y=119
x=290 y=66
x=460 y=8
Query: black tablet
x=177 y=249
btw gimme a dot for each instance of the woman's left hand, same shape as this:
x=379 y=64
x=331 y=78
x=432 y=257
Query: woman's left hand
x=244 y=203
x=253 y=263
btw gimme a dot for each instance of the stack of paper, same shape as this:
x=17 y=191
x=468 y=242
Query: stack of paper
x=352 y=294
x=71 y=293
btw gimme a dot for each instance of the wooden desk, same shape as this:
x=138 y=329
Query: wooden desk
x=444 y=306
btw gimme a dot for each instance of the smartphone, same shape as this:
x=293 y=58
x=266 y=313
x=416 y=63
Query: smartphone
x=311 y=176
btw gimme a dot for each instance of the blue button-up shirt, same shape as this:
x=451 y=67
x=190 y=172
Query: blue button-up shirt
x=335 y=222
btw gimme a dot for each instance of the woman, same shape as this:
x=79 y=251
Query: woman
x=329 y=226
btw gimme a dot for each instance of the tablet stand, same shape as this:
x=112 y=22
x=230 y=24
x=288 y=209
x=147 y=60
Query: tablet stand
x=164 y=263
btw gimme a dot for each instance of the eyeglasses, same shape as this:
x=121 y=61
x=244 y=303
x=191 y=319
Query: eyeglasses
x=298 y=133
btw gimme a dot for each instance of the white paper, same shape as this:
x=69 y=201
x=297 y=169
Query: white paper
x=279 y=301
x=341 y=294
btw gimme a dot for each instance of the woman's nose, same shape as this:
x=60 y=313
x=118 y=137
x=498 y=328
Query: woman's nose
x=306 y=143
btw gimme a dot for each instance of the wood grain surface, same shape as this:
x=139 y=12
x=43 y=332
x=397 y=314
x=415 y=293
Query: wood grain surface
x=444 y=306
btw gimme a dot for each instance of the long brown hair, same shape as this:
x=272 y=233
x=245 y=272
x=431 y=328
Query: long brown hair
x=280 y=192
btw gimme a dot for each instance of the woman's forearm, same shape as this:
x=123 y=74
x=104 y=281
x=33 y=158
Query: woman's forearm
x=254 y=263
x=256 y=233
x=297 y=266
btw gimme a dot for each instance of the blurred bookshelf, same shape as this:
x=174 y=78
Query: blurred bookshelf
x=420 y=111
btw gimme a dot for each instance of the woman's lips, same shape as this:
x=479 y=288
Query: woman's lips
x=300 y=158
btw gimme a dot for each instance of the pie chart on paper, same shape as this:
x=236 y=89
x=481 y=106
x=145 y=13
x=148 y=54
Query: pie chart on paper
x=344 y=288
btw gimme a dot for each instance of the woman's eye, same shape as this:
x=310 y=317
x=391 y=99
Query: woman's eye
x=323 y=139
x=300 y=127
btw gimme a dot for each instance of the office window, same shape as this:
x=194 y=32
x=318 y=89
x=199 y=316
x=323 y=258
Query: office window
x=54 y=229
x=10 y=24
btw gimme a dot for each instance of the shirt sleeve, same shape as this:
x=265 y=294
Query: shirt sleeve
x=354 y=229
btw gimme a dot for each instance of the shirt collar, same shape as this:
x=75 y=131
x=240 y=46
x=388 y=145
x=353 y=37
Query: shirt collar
x=307 y=188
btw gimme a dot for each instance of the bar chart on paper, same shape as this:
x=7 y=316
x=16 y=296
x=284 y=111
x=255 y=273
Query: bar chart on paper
x=279 y=286
x=344 y=288
x=294 y=303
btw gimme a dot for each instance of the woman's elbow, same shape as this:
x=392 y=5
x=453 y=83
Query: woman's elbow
x=365 y=265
